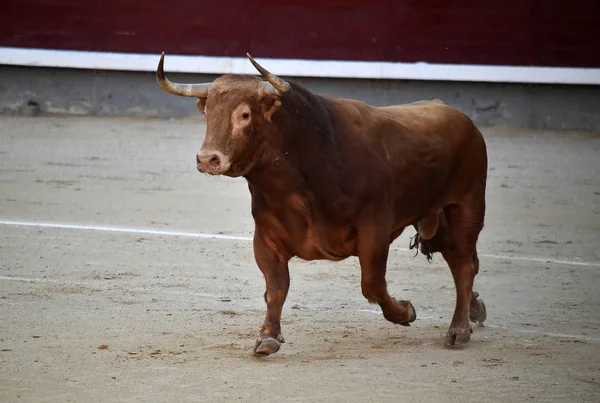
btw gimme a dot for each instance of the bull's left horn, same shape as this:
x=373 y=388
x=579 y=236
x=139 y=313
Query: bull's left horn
x=280 y=85
x=186 y=90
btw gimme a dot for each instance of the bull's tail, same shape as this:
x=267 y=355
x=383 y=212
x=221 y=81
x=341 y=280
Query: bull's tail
x=417 y=242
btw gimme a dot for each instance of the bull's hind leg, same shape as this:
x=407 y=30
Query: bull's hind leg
x=465 y=221
x=477 y=310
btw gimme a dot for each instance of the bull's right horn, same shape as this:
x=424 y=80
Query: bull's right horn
x=186 y=90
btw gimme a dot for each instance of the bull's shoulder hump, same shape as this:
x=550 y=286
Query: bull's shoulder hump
x=422 y=110
x=352 y=104
x=351 y=109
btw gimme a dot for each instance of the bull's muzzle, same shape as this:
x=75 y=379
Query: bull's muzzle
x=213 y=162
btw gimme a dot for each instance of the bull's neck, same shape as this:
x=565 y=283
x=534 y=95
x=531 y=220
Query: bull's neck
x=303 y=157
x=275 y=174
x=299 y=173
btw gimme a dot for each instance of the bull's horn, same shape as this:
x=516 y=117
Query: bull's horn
x=186 y=90
x=280 y=85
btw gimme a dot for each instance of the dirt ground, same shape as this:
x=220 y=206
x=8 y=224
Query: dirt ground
x=96 y=307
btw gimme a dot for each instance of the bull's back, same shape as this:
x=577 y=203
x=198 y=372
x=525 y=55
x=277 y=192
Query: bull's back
x=437 y=154
x=428 y=150
x=429 y=118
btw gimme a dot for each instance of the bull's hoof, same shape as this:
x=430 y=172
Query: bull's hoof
x=412 y=314
x=477 y=311
x=265 y=346
x=403 y=313
x=457 y=336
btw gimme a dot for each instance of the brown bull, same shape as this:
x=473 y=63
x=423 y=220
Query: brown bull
x=333 y=178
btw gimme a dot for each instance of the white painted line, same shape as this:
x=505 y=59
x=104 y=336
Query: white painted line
x=125 y=230
x=147 y=231
x=543 y=260
x=299 y=67
x=529 y=259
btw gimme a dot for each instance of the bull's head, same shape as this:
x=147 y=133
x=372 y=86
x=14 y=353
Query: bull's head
x=237 y=110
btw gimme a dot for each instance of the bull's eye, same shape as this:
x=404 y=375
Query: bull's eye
x=246 y=115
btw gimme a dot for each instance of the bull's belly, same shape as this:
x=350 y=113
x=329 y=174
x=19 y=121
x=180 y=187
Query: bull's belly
x=333 y=245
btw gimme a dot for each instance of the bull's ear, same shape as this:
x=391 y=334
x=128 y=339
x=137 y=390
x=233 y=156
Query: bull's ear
x=269 y=104
x=201 y=104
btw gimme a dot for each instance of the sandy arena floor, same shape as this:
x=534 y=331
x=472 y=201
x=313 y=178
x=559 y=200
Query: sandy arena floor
x=126 y=276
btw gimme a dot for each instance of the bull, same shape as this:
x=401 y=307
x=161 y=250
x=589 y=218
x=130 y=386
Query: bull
x=332 y=178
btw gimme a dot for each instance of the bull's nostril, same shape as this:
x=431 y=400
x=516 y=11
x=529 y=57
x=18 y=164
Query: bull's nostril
x=211 y=162
x=215 y=161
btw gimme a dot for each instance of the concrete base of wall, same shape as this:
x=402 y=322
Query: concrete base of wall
x=32 y=90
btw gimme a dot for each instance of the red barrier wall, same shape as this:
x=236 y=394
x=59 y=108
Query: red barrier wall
x=501 y=32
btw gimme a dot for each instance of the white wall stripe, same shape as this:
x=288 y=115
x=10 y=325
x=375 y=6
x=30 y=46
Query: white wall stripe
x=205 y=235
x=299 y=67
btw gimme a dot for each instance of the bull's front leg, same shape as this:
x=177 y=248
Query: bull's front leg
x=273 y=263
x=373 y=247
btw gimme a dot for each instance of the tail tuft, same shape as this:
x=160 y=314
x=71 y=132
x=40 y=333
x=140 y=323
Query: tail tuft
x=416 y=242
